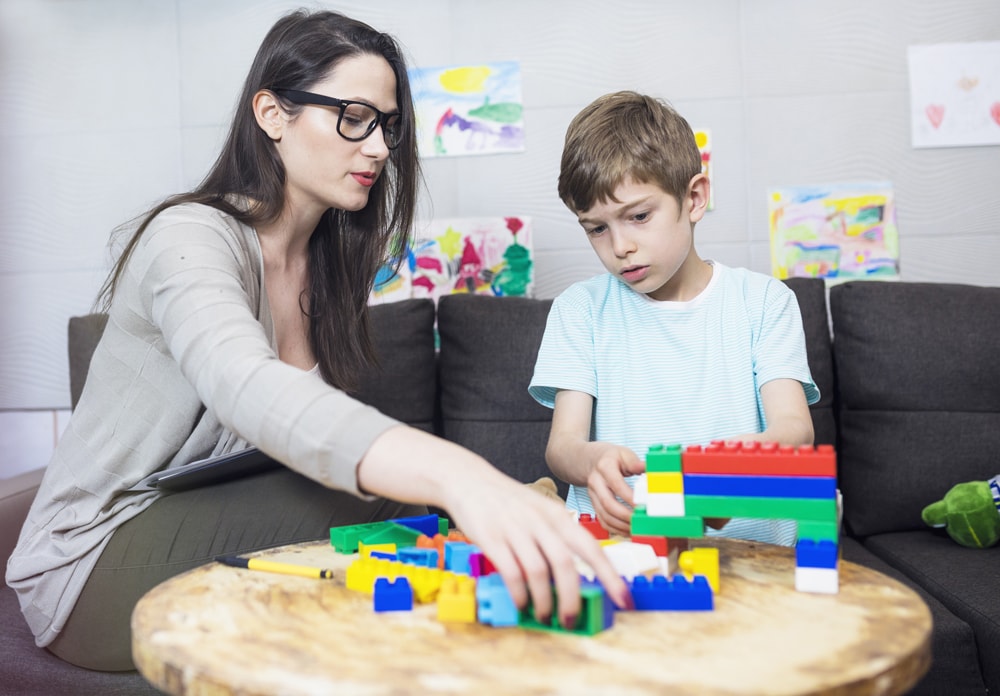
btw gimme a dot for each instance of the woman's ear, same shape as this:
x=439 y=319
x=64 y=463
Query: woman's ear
x=699 y=191
x=270 y=116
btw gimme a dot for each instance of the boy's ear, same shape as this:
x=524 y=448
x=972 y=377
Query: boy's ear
x=269 y=115
x=699 y=191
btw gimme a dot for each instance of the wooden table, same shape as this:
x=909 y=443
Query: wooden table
x=220 y=630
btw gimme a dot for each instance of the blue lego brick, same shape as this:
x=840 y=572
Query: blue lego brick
x=425 y=524
x=383 y=554
x=495 y=605
x=393 y=595
x=761 y=486
x=663 y=594
x=457 y=556
x=811 y=554
x=412 y=555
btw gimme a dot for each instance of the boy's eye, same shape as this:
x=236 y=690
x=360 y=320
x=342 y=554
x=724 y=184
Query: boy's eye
x=640 y=217
x=596 y=230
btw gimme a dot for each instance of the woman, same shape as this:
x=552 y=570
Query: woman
x=237 y=315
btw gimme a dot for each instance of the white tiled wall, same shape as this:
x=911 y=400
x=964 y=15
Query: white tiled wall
x=110 y=105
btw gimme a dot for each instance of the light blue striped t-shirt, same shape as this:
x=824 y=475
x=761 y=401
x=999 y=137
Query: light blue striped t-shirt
x=675 y=372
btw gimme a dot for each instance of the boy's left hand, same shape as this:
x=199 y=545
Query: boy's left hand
x=607 y=486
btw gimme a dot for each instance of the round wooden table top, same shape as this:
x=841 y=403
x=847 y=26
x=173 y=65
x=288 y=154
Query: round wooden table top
x=220 y=630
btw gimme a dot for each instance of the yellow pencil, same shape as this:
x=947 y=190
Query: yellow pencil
x=276 y=567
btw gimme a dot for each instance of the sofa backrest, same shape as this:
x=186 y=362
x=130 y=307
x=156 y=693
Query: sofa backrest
x=918 y=381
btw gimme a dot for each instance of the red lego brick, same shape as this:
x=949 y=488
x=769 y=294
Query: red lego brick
x=593 y=526
x=760 y=459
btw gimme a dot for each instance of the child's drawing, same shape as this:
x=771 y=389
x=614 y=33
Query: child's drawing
x=468 y=110
x=955 y=94
x=703 y=137
x=836 y=231
x=483 y=256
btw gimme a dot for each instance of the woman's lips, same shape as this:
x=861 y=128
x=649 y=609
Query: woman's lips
x=364 y=178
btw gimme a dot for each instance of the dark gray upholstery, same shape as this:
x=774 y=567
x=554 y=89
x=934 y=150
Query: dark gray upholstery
x=488 y=351
x=811 y=296
x=84 y=333
x=919 y=386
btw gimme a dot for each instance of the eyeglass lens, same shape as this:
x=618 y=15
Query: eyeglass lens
x=358 y=120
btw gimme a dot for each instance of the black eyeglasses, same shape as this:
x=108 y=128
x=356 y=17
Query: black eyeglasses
x=356 y=120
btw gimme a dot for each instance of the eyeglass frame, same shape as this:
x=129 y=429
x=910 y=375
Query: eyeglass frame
x=297 y=96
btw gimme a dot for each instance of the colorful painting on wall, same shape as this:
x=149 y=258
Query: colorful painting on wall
x=468 y=110
x=483 y=256
x=703 y=137
x=955 y=94
x=838 y=231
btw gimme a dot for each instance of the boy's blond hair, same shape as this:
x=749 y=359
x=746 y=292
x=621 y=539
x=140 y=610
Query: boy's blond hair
x=626 y=135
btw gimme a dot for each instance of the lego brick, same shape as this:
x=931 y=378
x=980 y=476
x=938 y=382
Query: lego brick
x=418 y=557
x=392 y=533
x=665 y=482
x=456 y=600
x=659 y=543
x=457 y=556
x=817 y=580
x=436 y=542
x=665 y=504
x=383 y=555
x=688 y=526
x=640 y=490
x=425 y=524
x=761 y=508
x=591 y=524
x=760 y=459
x=393 y=595
x=811 y=554
x=596 y=614
x=345 y=539
x=660 y=458
x=677 y=594
x=818 y=531
x=760 y=486
x=495 y=606
x=631 y=559
x=426 y=583
x=361 y=574
x=365 y=550
x=703 y=562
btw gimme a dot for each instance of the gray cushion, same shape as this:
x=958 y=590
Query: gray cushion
x=404 y=383
x=488 y=351
x=966 y=581
x=919 y=384
x=811 y=296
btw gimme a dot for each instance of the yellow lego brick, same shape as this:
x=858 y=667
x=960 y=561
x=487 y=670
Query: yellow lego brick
x=365 y=550
x=426 y=583
x=665 y=482
x=701 y=561
x=456 y=600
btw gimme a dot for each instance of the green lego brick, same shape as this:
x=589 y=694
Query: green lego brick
x=644 y=525
x=443 y=525
x=813 y=509
x=588 y=623
x=392 y=533
x=663 y=459
x=345 y=539
x=818 y=531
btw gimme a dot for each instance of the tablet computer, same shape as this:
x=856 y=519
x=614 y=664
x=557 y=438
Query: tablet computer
x=206 y=472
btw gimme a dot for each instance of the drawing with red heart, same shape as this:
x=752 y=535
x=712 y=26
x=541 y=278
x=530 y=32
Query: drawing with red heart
x=935 y=114
x=995 y=112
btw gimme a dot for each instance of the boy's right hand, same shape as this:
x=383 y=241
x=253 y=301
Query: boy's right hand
x=607 y=487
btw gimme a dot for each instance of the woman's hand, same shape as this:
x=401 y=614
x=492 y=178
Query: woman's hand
x=530 y=539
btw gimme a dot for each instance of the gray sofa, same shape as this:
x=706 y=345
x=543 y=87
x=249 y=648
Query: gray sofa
x=911 y=398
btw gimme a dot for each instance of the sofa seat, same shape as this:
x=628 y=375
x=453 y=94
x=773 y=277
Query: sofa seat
x=966 y=581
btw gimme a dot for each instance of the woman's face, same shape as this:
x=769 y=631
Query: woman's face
x=323 y=169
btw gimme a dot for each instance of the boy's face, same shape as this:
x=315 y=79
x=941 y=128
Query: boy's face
x=646 y=239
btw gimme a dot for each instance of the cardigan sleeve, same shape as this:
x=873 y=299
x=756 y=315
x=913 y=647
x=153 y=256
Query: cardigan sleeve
x=199 y=280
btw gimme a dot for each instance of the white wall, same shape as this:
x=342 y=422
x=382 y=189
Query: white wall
x=110 y=105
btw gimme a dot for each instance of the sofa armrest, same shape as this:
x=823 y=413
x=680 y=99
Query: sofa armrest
x=16 y=494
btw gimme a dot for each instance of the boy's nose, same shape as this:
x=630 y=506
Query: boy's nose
x=622 y=244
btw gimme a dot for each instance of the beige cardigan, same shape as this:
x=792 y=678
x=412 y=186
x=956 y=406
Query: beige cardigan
x=186 y=368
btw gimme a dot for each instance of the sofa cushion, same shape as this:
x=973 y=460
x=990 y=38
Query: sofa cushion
x=919 y=389
x=966 y=581
x=811 y=296
x=488 y=351
x=954 y=668
x=404 y=383
x=27 y=670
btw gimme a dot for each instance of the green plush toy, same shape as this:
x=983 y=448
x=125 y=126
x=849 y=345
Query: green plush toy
x=969 y=512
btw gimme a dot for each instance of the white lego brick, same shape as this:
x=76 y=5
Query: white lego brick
x=630 y=559
x=665 y=504
x=817 y=580
x=640 y=490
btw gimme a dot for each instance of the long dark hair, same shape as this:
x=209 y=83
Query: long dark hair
x=347 y=248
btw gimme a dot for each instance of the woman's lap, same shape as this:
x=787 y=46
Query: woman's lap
x=185 y=530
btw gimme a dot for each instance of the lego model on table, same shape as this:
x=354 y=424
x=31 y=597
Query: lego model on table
x=758 y=480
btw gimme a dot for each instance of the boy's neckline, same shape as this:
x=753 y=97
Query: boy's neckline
x=681 y=304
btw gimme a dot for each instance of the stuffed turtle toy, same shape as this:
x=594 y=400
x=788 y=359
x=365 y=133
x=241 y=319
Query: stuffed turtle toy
x=969 y=512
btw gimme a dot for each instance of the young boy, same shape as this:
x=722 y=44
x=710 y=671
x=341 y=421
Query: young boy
x=665 y=347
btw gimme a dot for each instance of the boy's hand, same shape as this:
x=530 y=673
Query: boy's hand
x=607 y=486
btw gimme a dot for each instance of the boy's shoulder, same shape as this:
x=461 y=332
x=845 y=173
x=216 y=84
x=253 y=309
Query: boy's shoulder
x=594 y=290
x=752 y=285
